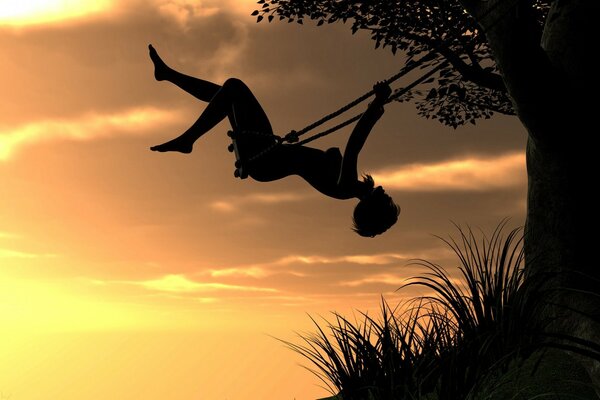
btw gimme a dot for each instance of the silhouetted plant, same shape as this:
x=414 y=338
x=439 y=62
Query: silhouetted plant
x=388 y=358
x=494 y=308
x=447 y=342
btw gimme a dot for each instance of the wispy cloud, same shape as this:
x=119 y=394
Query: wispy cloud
x=181 y=284
x=377 y=259
x=254 y=272
x=274 y=198
x=89 y=126
x=387 y=279
x=468 y=174
x=392 y=279
x=8 y=253
x=229 y=205
x=223 y=206
x=267 y=269
x=206 y=300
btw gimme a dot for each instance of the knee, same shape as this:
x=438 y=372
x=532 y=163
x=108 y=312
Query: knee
x=234 y=83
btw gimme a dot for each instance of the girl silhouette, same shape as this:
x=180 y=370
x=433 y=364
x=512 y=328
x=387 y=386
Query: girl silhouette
x=328 y=171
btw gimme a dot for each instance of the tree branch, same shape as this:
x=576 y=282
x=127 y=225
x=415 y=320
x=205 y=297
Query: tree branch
x=473 y=73
x=514 y=35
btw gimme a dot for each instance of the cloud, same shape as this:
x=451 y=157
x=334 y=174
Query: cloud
x=226 y=59
x=377 y=259
x=235 y=203
x=387 y=279
x=396 y=280
x=222 y=55
x=53 y=12
x=86 y=127
x=274 y=198
x=32 y=12
x=223 y=206
x=182 y=11
x=181 y=284
x=273 y=268
x=467 y=174
x=285 y=265
x=206 y=300
x=8 y=253
x=254 y=272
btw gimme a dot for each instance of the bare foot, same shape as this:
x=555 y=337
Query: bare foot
x=180 y=144
x=161 y=70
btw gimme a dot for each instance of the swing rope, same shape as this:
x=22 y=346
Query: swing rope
x=394 y=96
x=293 y=136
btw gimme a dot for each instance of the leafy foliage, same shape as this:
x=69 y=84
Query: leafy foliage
x=455 y=101
x=470 y=89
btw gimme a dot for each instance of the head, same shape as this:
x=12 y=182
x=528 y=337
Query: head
x=376 y=212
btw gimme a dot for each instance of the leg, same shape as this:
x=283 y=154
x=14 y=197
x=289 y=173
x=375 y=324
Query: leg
x=201 y=89
x=233 y=100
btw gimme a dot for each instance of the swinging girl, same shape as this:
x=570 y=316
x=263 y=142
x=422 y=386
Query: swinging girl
x=328 y=171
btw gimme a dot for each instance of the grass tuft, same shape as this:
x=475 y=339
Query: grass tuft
x=442 y=346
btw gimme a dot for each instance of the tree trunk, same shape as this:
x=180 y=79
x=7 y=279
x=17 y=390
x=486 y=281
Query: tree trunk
x=554 y=90
x=568 y=221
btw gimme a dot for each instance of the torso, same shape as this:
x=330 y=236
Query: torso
x=321 y=169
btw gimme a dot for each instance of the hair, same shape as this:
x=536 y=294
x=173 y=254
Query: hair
x=375 y=213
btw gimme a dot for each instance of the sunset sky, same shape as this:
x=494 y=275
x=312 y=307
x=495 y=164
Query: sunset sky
x=127 y=274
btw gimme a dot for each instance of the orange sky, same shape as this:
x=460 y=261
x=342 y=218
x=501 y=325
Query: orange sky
x=127 y=273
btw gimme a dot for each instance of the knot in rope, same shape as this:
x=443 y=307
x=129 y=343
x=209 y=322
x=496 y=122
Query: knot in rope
x=292 y=137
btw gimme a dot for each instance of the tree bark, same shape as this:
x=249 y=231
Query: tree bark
x=551 y=80
x=568 y=42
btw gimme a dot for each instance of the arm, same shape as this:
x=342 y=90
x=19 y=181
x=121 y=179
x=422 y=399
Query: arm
x=348 y=171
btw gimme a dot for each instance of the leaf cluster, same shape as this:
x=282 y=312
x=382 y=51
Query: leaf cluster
x=454 y=101
x=421 y=26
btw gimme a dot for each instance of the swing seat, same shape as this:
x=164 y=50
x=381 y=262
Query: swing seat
x=240 y=171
